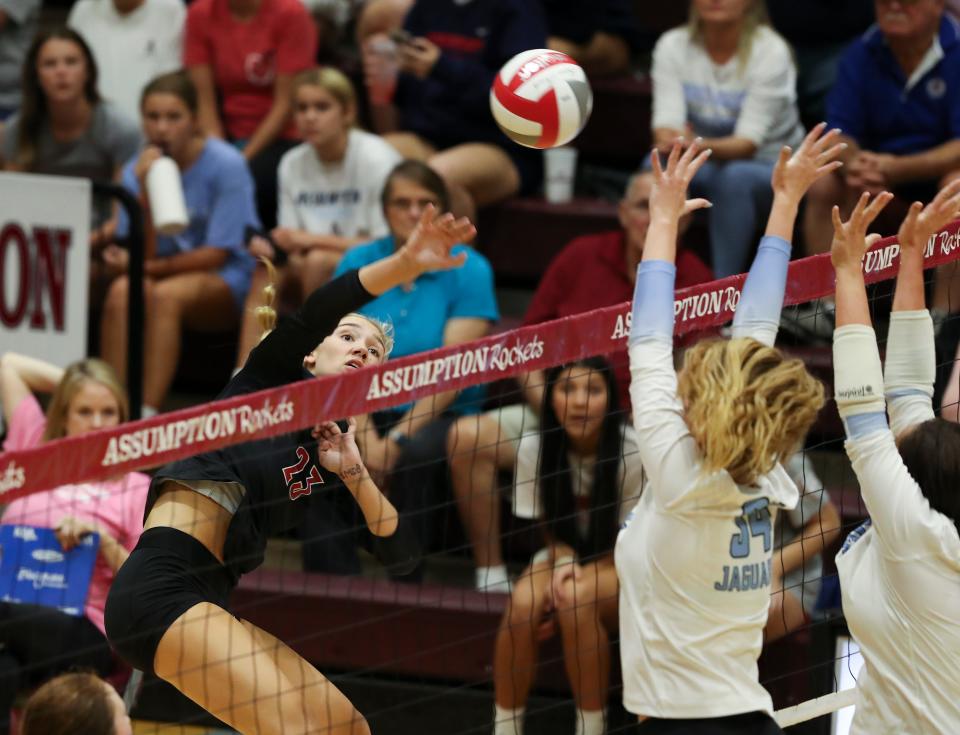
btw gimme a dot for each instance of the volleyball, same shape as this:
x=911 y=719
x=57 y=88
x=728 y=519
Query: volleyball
x=541 y=99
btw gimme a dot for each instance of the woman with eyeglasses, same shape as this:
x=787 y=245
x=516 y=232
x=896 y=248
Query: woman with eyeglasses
x=406 y=445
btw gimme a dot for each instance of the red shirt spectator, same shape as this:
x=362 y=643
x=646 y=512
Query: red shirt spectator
x=592 y=272
x=246 y=57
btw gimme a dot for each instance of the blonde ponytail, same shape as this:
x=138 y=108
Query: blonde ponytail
x=747 y=406
x=267 y=313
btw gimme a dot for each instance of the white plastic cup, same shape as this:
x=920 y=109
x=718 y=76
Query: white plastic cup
x=168 y=208
x=560 y=166
x=384 y=66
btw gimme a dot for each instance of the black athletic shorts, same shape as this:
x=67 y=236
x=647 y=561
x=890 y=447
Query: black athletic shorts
x=750 y=723
x=167 y=573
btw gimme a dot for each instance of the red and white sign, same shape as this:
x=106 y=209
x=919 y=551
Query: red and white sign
x=44 y=264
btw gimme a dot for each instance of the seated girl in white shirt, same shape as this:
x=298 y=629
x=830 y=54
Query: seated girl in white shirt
x=329 y=193
x=581 y=474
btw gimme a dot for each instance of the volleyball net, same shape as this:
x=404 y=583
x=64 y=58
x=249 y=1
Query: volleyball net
x=472 y=479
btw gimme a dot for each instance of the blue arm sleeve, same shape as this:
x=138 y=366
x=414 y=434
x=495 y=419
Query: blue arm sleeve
x=653 y=314
x=758 y=314
x=861 y=424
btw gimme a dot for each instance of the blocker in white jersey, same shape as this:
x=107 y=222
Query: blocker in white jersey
x=695 y=560
x=699 y=550
x=541 y=99
x=900 y=571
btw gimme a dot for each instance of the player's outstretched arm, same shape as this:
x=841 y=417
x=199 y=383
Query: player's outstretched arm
x=858 y=378
x=667 y=450
x=850 y=242
x=910 y=369
x=899 y=512
x=796 y=171
x=758 y=314
x=668 y=200
x=426 y=250
x=656 y=274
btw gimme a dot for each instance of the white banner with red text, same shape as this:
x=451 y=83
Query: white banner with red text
x=44 y=266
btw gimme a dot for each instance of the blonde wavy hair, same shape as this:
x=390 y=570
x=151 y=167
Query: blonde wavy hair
x=331 y=80
x=747 y=406
x=70 y=384
x=755 y=17
x=266 y=313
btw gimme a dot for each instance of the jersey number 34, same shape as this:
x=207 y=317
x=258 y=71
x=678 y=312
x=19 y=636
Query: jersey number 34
x=755 y=521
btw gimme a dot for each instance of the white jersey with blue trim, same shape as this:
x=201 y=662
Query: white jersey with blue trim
x=900 y=581
x=899 y=573
x=694 y=562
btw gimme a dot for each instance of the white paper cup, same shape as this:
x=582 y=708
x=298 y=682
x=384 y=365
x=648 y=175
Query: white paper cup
x=168 y=209
x=560 y=169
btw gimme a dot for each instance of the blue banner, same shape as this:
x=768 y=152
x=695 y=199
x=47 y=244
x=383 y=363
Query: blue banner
x=35 y=570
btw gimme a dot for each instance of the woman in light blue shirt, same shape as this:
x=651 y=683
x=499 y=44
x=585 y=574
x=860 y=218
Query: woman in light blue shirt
x=199 y=278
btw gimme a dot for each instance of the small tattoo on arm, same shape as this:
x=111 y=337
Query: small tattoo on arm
x=352 y=472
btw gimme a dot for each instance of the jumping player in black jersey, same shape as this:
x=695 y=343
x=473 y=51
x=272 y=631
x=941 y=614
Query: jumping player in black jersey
x=208 y=518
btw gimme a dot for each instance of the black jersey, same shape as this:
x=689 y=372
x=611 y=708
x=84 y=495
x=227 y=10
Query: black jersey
x=277 y=471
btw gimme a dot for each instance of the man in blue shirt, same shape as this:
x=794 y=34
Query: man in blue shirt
x=897 y=101
x=406 y=446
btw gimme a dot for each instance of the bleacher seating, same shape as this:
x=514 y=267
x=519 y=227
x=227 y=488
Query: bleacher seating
x=521 y=236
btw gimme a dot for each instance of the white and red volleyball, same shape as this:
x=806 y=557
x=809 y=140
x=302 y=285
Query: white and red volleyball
x=541 y=98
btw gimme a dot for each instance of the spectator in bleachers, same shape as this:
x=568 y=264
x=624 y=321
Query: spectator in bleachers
x=407 y=445
x=242 y=56
x=801 y=536
x=442 y=110
x=63 y=126
x=133 y=41
x=591 y=272
x=897 y=101
x=74 y=703
x=581 y=475
x=818 y=31
x=198 y=279
x=18 y=24
x=601 y=36
x=730 y=79
x=37 y=642
x=330 y=186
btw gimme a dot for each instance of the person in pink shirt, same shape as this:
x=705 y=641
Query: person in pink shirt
x=38 y=642
x=245 y=54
